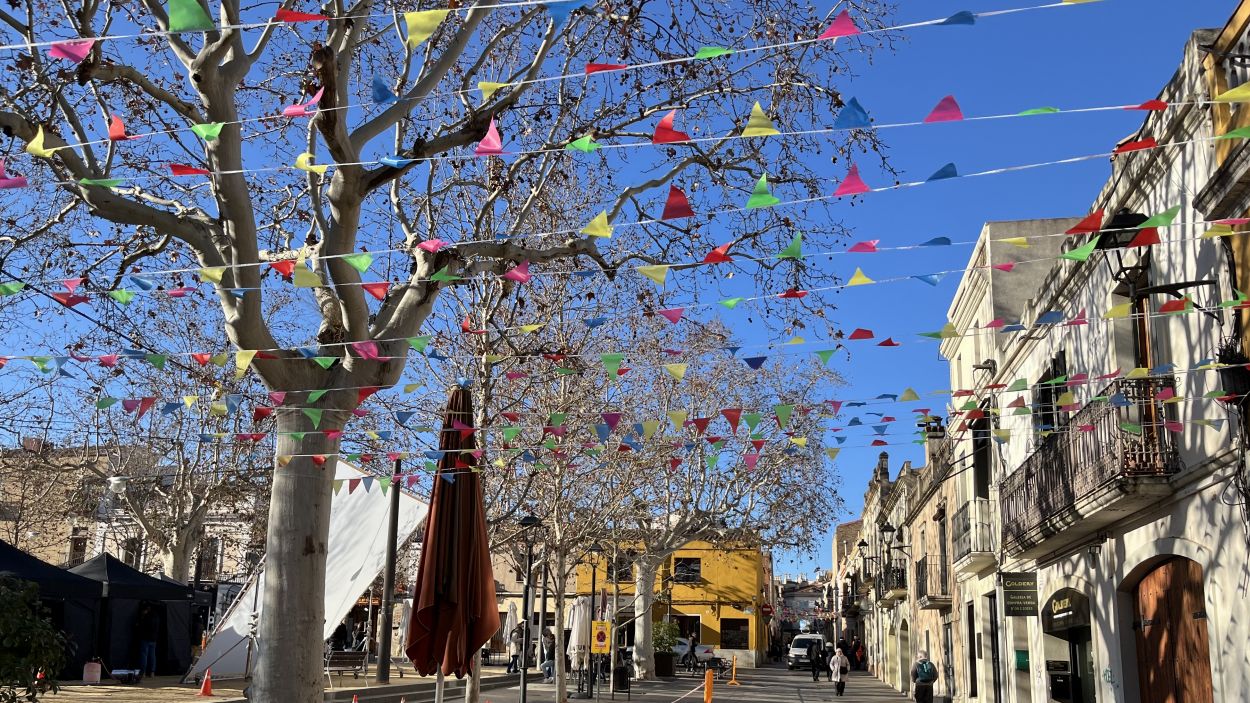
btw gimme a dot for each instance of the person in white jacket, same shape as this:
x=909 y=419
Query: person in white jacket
x=840 y=668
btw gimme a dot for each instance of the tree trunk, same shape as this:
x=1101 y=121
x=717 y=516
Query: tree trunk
x=644 y=598
x=176 y=557
x=561 y=578
x=473 y=687
x=289 y=658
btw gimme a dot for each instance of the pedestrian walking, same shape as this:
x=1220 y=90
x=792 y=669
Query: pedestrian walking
x=861 y=655
x=816 y=658
x=923 y=675
x=514 y=651
x=839 y=670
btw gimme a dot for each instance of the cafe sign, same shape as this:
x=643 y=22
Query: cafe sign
x=1020 y=594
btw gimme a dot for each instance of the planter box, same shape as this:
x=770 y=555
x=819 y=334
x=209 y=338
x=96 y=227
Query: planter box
x=665 y=663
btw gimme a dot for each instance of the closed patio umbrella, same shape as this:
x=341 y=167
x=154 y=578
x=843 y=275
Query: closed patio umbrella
x=578 y=623
x=454 y=608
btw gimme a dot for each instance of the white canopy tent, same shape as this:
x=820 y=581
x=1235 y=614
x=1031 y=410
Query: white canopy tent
x=356 y=554
x=578 y=623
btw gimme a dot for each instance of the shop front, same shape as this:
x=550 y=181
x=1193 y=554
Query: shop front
x=1069 y=649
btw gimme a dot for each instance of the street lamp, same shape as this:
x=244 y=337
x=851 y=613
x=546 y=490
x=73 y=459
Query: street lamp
x=527 y=523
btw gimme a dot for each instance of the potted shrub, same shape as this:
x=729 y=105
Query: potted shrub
x=663 y=639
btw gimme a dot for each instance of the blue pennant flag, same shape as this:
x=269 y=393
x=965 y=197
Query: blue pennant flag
x=755 y=361
x=963 y=17
x=433 y=454
x=593 y=322
x=852 y=116
x=395 y=161
x=947 y=171
x=142 y=283
x=1050 y=317
x=602 y=431
x=307 y=352
x=170 y=408
x=403 y=416
x=937 y=242
x=382 y=94
x=931 y=278
x=560 y=11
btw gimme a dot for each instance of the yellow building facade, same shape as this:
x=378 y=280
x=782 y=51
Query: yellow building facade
x=713 y=592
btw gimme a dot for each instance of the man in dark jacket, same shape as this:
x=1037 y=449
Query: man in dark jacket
x=816 y=657
x=923 y=675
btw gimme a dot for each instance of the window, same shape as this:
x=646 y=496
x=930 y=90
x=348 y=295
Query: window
x=948 y=658
x=1046 y=413
x=970 y=646
x=689 y=626
x=132 y=552
x=982 y=457
x=621 y=569
x=207 y=562
x=688 y=570
x=735 y=633
x=77 y=546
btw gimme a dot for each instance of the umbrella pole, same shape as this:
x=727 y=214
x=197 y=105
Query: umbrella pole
x=438 y=686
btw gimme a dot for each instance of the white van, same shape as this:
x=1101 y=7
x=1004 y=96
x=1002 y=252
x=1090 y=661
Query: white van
x=797 y=654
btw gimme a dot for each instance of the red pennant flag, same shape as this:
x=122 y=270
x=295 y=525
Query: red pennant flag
x=1150 y=105
x=673 y=463
x=1175 y=306
x=260 y=412
x=511 y=417
x=758 y=444
x=554 y=357
x=1092 y=223
x=145 y=404
x=879 y=443
x=719 y=255
x=600 y=67
x=671 y=315
x=466 y=326
x=843 y=26
x=117 y=130
x=700 y=424
x=363 y=393
x=664 y=132
x=377 y=290
x=861 y=333
x=333 y=434
x=1145 y=238
x=1147 y=143
x=889 y=342
x=284 y=15
x=677 y=205
x=793 y=294
x=1005 y=268
x=286 y=267
x=732 y=415
x=69 y=300
x=868 y=247
x=185 y=170
x=201 y=358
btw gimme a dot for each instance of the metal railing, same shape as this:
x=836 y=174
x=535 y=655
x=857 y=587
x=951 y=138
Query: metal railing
x=892 y=577
x=972 y=528
x=932 y=577
x=1120 y=436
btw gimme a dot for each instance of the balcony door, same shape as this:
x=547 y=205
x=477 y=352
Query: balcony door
x=1170 y=623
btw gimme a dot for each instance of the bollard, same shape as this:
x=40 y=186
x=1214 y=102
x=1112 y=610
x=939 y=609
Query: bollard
x=733 y=673
x=708 y=680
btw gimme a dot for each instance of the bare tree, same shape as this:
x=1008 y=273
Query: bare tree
x=247 y=213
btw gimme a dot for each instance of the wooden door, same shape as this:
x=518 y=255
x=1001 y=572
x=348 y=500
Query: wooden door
x=1173 y=662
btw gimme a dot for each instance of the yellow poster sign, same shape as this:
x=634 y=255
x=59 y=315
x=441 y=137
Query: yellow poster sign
x=599 y=637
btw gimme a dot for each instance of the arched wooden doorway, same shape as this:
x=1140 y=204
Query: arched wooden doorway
x=1170 y=623
x=904 y=658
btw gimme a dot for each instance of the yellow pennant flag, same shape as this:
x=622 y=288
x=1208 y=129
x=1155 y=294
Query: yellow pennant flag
x=304 y=163
x=796 y=340
x=649 y=428
x=1119 y=311
x=1022 y=242
x=598 y=227
x=677 y=371
x=220 y=359
x=907 y=395
x=832 y=452
x=1003 y=435
x=213 y=274
x=489 y=88
x=758 y=124
x=531 y=328
x=242 y=360
x=1066 y=398
x=305 y=278
x=1139 y=372
x=284 y=459
x=1218 y=230
x=35 y=146
x=217 y=409
x=799 y=441
x=410 y=387
x=859 y=279
x=189 y=400
x=422 y=24
x=678 y=418
x=657 y=273
x=1239 y=94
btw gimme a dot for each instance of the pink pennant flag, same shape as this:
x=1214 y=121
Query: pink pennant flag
x=75 y=50
x=515 y=375
x=601 y=67
x=664 y=132
x=431 y=245
x=843 y=26
x=285 y=15
x=1174 y=426
x=519 y=273
x=1078 y=320
x=868 y=247
x=7 y=181
x=377 y=290
x=1005 y=268
x=304 y=109
x=179 y=292
x=1165 y=394
x=108 y=361
x=367 y=349
x=672 y=315
x=117 y=130
x=947 y=110
x=996 y=323
x=185 y=170
x=69 y=300
x=1085 y=428
x=852 y=184
x=491 y=144
x=71 y=284
x=677 y=205
x=1109 y=376
x=276 y=397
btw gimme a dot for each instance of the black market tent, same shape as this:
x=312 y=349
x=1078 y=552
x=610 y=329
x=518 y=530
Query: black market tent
x=72 y=600
x=125 y=592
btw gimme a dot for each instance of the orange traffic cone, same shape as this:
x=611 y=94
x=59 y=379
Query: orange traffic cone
x=206 y=688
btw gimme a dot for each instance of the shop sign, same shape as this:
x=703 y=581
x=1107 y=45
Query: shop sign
x=1020 y=594
x=1066 y=609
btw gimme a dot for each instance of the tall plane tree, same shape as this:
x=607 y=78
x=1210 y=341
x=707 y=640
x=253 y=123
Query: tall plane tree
x=103 y=208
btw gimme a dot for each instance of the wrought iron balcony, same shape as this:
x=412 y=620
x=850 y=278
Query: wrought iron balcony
x=973 y=534
x=892 y=583
x=1106 y=462
x=933 y=591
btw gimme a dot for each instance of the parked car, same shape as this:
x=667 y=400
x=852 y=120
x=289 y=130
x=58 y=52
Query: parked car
x=796 y=656
x=702 y=652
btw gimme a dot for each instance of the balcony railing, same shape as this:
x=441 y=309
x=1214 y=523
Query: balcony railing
x=1099 y=445
x=932 y=579
x=892 y=581
x=972 y=528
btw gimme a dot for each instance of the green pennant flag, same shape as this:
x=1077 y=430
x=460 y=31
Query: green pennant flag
x=712 y=460
x=585 y=144
x=1038 y=111
x=551 y=444
x=385 y=484
x=444 y=276
x=1081 y=253
x=731 y=303
x=1020 y=384
x=557 y=419
x=718 y=445
x=208 y=132
x=1131 y=428
x=188 y=16
x=101 y=182
x=760 y=196
x=314 y=414
x=1022 y=411
x=1240 y=300
x=419 y=343
x=510 y=433
x=794 y=250
x=970 y=405
x=565 y=371
x=11 y=287
x=337 y=485
x=783 y=414
x=1163 y=219
x=314 y=396
x=825 y=356
x=360 y=261
x=1056 y=379
x=751 y=420
x=122 y=296
x=1242 y=133
x=157 y=360
x=325 y=362
x=711 y=52
x=105 y=402
x=611 y=363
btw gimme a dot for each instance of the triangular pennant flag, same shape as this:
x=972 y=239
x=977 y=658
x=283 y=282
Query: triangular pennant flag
x=314 y=414
x=243 y=359
x=963 y=17
x=656 y=273
x=1081 y=253
x=35 y=147
x=783 y=413
x=75 y=50
x=1239 y=94
x=731 y=303
x=1163 y=219
x=677 y=371
x=794 y=250
x=947 y=171
x=852 y=184
x=117 y=129
x=489 y=88
x=758 y=124
x=188 y=16
x=491 y=144
x=760 y=195
x=305 y=278
x=852 y=116
x=843 y=26
x=421 y=25
x=585 y=144
x=8 y=182
x=719 y=255
x=825 y=356
x=676 y=205
x=208 y=131
x=664 y=132
x=711 y=52
x=611 y=363
x=678 y=418
x=859 y=279
x=304 y=162
x=305 y=109
x=360 y=262
x=673 y=315
x=377 y=290
x=519 y=273
x=598 y=227
x=947 y=110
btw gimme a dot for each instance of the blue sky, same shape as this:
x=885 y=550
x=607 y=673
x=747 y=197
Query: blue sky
x=1107 y=53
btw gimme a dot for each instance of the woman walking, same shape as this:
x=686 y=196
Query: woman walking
x=840 y=669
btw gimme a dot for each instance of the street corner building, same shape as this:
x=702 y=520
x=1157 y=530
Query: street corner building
x=1079 y=530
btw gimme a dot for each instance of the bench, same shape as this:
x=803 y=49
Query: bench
x=354 y=663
